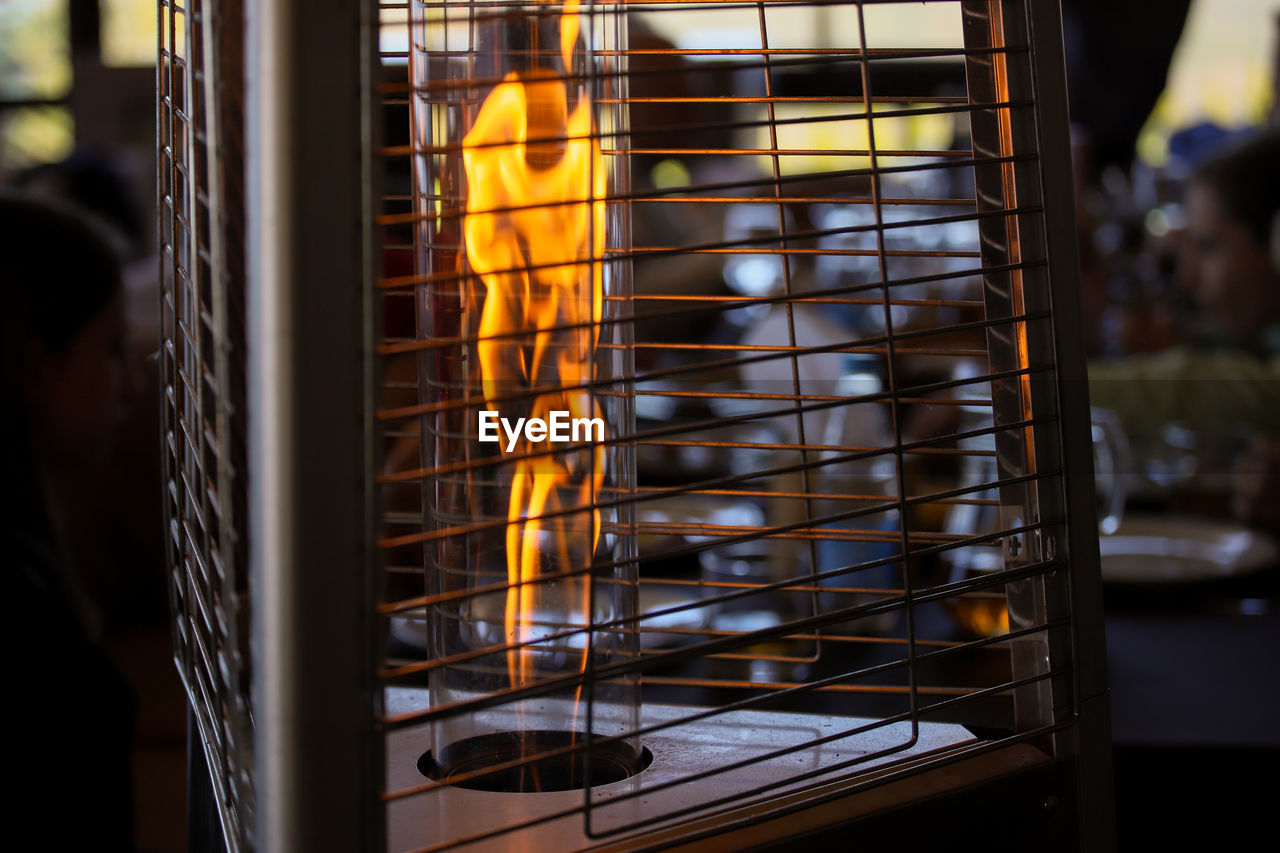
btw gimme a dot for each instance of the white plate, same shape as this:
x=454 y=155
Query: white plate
x=1182 y=549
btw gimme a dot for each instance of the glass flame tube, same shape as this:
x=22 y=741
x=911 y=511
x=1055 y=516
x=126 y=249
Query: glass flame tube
x=518 y=130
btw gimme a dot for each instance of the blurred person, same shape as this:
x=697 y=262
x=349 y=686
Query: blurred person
x=113 y=509
x=62 y=383
x=92 y=180
x=1222 y=392
x=1231 y=207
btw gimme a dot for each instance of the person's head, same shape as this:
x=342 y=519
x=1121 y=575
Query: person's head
x=94 y=183
x=62 y=374
x=1231 y=207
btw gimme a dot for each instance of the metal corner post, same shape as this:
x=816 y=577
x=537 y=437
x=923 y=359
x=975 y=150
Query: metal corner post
x=308 y=378
x=1088 y=742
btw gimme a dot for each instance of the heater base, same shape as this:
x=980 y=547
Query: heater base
x=468 y=764
x=763 y=761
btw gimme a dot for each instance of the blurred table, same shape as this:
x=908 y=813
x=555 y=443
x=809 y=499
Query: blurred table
x=1195 y=704
x=1194 y=680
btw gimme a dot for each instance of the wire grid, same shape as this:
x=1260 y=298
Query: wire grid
x=201 y=192
x=796 y=281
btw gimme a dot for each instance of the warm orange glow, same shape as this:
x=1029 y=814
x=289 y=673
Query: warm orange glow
x=534 y=234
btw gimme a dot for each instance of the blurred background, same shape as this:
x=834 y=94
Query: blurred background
x=1160 y=91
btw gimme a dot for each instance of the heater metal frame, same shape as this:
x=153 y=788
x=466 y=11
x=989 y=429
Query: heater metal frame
x=201 y=365
x=312 y=147
x=311 y=178
x=1085 y=741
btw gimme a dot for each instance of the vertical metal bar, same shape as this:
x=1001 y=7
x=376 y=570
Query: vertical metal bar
x=1089 y=742
x=373 y=565
x=204 y=821
x=164 y=166
x=999 y=133
x=181 y=345
x=606 y=32
x=1037 y=73
x=587 y=689
x=785 y=257
x=211 y=21
x=223 y=78
x=900 y=483
x=307 y=241
x=197 y=114
x=200 y=155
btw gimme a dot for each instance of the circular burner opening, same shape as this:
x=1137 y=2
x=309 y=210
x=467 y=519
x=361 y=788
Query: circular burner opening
x=610 y=762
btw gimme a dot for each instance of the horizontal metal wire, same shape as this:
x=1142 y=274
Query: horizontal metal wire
x=450 y=277
x=679 y=429
x=703 y=304
x=827 y=177
x=770 y=59
x=667 y=196
x=882 y=116
x=552 y=9
x=764 y=493
x=595 y=569
x=694 y=369
x=393 y=346
x=783 y=531
x=663 y=373
x=834 y=682
x=891 y=600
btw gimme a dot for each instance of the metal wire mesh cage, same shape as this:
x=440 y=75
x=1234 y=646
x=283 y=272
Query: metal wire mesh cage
x=202 y=366
x=663 y=419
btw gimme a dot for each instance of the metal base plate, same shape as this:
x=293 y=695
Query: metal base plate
x=757 y=756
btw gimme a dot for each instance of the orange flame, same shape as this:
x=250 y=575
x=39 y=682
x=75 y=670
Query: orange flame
x=534 y=232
